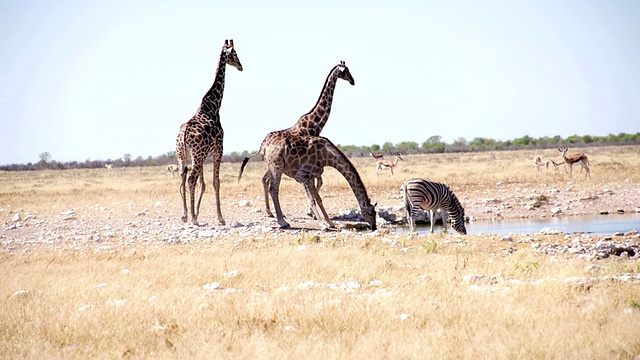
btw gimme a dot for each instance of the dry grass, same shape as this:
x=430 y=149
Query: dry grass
x=294 y=295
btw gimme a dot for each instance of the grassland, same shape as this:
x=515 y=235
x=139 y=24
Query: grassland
x=122 y=277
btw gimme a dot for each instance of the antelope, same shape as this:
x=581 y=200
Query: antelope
x=556 y=165
x=109 y=166
x=172 y=168
x=538 y=163
x=575 y=158
x=383 y=165
x=376 y=156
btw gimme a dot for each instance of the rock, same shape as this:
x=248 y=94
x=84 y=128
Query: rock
x=376 y=283
x=213 y=286
x=244 y=203
x=21 y=294
x=549 y=231
x=603 y=212
x=231 y=274
x=16 y=217
x=556 y=210
x=507 y=238
x=386 y=215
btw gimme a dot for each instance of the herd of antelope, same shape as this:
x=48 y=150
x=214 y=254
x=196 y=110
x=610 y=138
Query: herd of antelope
x=567 y=160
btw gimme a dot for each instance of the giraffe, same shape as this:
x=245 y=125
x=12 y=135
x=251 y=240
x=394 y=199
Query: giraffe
x=310 y=123
x=202 y=136
x=303 y=158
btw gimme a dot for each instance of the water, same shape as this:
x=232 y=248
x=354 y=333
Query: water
x=591 y=224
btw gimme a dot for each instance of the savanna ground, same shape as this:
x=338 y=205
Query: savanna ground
x=99 y=265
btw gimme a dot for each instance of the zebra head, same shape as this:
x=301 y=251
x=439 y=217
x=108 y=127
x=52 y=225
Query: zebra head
x=457 y=222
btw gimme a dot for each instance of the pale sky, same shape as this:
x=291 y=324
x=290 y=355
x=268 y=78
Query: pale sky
x=98 y=79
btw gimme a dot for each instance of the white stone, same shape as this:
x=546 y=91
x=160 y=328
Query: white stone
x=16 y=217
x=556 y=210
x=212 y=286
x=404 y=317
x=376 y=283
x=20 y=294
x=550 y=231
x=232 y=273
x=244 y=203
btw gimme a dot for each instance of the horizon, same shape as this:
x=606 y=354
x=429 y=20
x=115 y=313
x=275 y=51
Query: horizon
x=102 y=79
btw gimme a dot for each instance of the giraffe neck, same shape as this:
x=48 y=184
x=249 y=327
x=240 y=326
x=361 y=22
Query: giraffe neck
x=213 y=98
x=314 y=121
x=337 y=160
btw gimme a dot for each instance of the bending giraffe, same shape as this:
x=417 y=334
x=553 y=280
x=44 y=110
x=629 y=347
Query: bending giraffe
x=304 y=158
x=310 y=123
x=384 y=165
x=575 y=158
x=202 y=136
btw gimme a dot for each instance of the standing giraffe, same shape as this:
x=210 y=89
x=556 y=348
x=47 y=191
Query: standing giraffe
x=310 y=123
x=303 y=158
x=202 y=136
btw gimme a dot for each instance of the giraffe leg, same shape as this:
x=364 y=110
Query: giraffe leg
x=274 y=187
x=391 y=169
x=202 y=190
x=193 y=179
x=183 y=191
x=316 y=204
x=265 y=184
x=216 y=185
x=318 y=182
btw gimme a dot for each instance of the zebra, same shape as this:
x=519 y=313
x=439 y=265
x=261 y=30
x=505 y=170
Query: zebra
x=431 y=195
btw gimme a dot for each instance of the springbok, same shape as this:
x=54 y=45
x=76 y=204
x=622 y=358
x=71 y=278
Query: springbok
x=109 y=166
x=538 y=163
x=376 y=156
x=575 y=158
x=383 y=165
x=556 y=165
x=172 y=168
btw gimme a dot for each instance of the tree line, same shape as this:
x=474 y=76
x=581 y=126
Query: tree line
x=433 y=145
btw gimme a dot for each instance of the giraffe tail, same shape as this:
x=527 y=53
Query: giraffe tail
x=246 y=160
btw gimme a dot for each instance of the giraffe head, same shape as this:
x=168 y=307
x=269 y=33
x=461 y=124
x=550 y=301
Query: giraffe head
x=369 y=214
x=232 y=56
x=344 y=74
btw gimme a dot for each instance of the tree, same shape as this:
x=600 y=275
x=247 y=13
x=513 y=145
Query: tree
x=45 y=157
x=388 y=147
x=433 y=144
x=127 y=159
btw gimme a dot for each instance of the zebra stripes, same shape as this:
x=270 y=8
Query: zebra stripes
x=431 y=195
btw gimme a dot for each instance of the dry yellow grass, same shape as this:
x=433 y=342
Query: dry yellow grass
x=302 y=294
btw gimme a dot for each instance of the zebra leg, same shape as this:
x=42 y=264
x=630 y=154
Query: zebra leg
x=445 y=217
x=431 y=216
